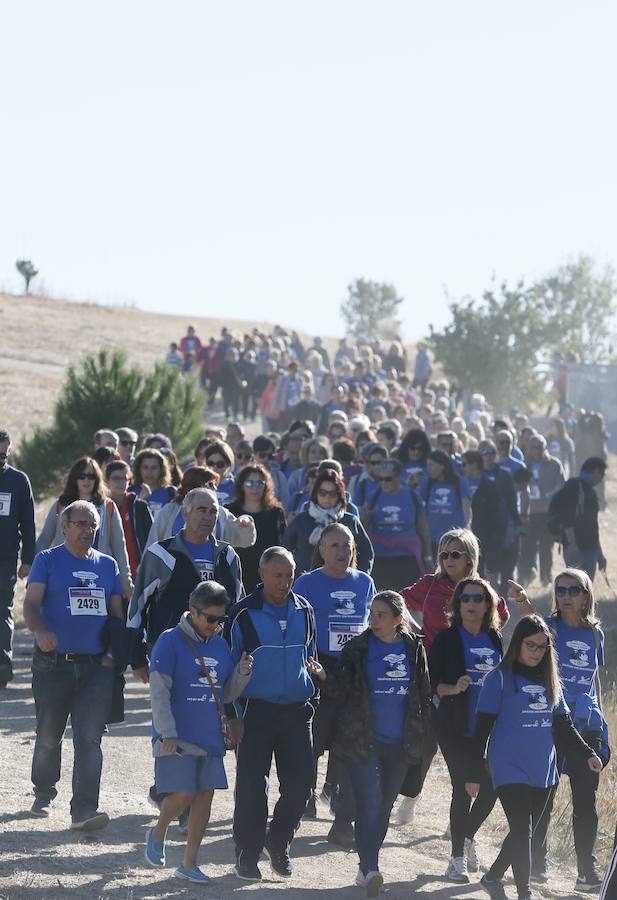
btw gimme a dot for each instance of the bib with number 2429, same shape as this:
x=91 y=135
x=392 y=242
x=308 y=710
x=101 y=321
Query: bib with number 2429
x=87 y=601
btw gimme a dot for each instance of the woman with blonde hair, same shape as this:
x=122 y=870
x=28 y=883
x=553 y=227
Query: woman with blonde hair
x=579 y=642
x=459 y=659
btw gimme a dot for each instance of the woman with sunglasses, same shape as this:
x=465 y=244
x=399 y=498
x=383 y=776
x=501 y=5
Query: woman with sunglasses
x=255 y=498
x=85 y=482
x=579 y=642
x=459 y=658
x=220 y=457
x=239 y=532
x=521 y=712
x=327 y=504
x=397 y=528
x=152 y=479
x=188 y=749
x=413 y=453
x=362 y=486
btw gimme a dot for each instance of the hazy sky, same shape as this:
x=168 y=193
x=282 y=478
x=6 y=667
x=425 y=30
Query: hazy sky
x=250 y=158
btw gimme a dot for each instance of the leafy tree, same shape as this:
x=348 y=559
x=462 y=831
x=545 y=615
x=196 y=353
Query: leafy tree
x=103 y=391
x=26 y=269
x=371 y=309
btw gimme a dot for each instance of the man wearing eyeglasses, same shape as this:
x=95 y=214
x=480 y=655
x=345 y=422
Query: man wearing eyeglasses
x=73 y=606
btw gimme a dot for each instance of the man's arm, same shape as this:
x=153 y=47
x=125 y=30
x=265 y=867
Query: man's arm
x=26 y=529
x=35 y=594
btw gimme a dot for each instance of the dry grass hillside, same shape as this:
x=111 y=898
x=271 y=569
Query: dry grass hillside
x=40 y=336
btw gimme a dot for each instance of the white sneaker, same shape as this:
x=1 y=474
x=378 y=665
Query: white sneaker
x=471 y=855
x=457 y=870
x=405 y=812
x=373 y=882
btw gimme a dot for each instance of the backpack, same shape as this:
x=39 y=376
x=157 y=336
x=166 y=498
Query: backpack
x=565 y=507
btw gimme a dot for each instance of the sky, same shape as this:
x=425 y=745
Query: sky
x=252 y=158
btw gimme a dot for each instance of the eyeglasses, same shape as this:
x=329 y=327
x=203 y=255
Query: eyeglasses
x=86 y=476
x=210 y=619
x=323 y=493
x=472 y=598
x=85 y=526
x=532 y=647
x=572 y=590
x=386 y=479
x=217 y=464
x=128 y=443
x=488 y=452
x=455 y=554
x=249 y=483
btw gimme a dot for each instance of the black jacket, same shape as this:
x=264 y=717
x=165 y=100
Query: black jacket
x=489 y=521
x=348 y=686
x=446 y=661
x=140 y=521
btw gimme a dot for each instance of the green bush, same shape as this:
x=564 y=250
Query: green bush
x=104 y=392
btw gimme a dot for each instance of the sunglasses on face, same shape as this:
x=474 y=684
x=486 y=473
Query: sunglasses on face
x=386 y=479
x=574 y=590
x=488 y=453
x=264 y=454
x=212 y=620
x=86 y=476
x=454 y=554
x=250 y=483
x=216 y=464
x=128 y=443
x=532 y=647
x=472 y=598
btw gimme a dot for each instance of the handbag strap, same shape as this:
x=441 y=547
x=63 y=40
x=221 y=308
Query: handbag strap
x=206 y=672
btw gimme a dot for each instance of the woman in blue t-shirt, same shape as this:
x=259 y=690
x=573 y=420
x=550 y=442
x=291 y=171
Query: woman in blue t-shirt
x=579 y=642
x=459 y=658
x=152 y=479
x=384 y=690
x=445 y=497
x=189 y=664
x=521 y=708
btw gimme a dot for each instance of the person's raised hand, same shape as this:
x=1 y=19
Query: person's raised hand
x=518 y=593
x=245 y=666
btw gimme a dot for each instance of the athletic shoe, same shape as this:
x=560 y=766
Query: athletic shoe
x=372 y=882
x=193 y=874
x=311 y=809
x=279 y=860
x=342 y=835
x=589 y=883
x=494 y=887
x=471 y=855
x=247 y=869
x=457 y=870
x=360 y=878
x=41 y=808
x=405 y=811
x=93 y=821
x=155 y=850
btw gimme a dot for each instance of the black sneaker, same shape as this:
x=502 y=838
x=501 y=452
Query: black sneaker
x=279 y=860
x=493 y=887
x=247 y=869
x=589 y=883
x=41 y=808
x=342 y=835
x=311 y=809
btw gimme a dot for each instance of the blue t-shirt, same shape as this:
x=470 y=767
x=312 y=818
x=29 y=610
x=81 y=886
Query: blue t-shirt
x=510 y=464
x=393 y=523
x=472 y=485
x=413 y=468
x=75 y=605
x=226 y=490
x=444 y=509
x=341 y=606
x=203 y=557
x=157 y=499
x=387 y=675
x=481 y=656
x=579 y=659
x=192 y=704
x=521 y=748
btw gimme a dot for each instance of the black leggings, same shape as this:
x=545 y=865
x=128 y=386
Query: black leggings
x=465 y=818
x=523 y=806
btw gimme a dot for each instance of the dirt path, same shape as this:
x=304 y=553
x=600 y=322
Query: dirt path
x=43 y=860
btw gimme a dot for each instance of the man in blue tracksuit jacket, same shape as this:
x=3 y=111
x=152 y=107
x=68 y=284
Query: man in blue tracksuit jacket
x=277 y=628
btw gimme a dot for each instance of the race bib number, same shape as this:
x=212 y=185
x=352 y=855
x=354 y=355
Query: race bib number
x=341 y=632
x=205 y=569
x=87 y=601
x=5 y=504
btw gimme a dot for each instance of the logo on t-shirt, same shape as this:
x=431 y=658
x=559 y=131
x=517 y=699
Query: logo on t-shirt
x=391 y=514
x=485 y=662
x=212 y=664
x=397 y=665
x=536 y=694
x=442 y=497
x=344 y=605
x=87 y=579
x=579 y=654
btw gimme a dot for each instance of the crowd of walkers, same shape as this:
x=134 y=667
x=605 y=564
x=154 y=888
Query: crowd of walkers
x=337 y=585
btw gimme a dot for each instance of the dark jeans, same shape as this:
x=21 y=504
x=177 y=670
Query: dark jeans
x=584 y=785
x=83 y=691
x=416 y=775
x=8 y=578
x=465 y=817
x=537 y=542
x=524 y=807
x=324 y=725
x=375 y=785
x=285 y=731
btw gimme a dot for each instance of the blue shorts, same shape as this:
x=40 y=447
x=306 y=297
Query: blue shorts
x=189 y=773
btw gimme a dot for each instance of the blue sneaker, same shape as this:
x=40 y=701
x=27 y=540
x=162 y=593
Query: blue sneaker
x=155 y=850
x=193 y=874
